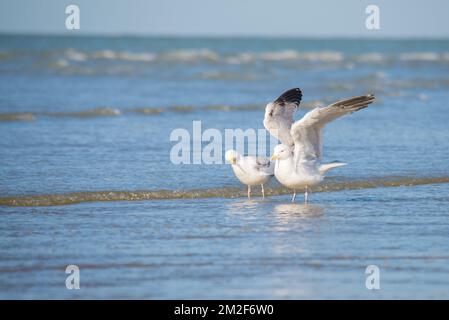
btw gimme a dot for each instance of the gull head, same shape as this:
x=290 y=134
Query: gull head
x=281 y=152
x=231 y=156
x=269 y=110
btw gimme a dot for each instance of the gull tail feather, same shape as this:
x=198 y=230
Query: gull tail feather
x=328 y=166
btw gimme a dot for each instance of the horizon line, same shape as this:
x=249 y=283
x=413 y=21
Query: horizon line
x=220 y=36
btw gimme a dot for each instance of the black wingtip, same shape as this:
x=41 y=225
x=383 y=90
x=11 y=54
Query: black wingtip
x=290 y=96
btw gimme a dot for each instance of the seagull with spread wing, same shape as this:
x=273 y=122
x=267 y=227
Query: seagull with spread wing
x=298 y=158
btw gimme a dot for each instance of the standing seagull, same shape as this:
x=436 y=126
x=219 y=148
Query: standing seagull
x=298 y=158
x=251 y=170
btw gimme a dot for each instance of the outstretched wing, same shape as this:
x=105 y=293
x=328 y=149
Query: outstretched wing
x=279 y=115
x=306 y=133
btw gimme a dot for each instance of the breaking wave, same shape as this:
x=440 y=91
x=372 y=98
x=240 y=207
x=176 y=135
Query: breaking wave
x=376 y=82
x=68 y=56
x=30 y=116
x=204 y=54
x=108 y=112
x=95 y=196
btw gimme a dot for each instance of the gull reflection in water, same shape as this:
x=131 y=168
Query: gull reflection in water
x=299 y=209
x=244 y=205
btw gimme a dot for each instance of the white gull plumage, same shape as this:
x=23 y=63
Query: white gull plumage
x=298 y=158
x=251 y=170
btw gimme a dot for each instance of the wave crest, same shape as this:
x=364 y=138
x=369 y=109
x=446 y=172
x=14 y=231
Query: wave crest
x=208 y=55
x=95 y=196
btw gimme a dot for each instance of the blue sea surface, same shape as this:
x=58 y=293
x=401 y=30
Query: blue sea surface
x=95 y=114
x=233 y=249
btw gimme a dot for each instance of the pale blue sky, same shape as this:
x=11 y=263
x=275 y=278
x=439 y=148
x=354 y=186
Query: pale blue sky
x=399 y=18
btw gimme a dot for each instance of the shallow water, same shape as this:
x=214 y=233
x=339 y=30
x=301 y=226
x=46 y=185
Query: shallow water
x=88 y=119
x=233 y=248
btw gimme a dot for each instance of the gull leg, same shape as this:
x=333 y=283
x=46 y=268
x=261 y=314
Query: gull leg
x=306 y=195
x=294 y=195
x=249 y=192
x=263 y=191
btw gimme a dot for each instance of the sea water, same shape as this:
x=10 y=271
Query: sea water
x=86 y=177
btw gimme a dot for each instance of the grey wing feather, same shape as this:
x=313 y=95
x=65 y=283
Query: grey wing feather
x=264 y=165
x=279 y=115
x=306 y=132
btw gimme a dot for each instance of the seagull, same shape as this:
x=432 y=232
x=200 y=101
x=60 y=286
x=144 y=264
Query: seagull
x=298 y=157
x=251 y=170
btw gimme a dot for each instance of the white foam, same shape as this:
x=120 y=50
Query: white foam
x=241 y=58
x=286 y=55
x=75 y=55
x=419 y=56
x=280 y=55
x=323 y=56
x=126 y=56
x=371 y=57
x=105 y=54
x=190 y=55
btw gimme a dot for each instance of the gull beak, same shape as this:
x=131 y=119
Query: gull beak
x=274 y=157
